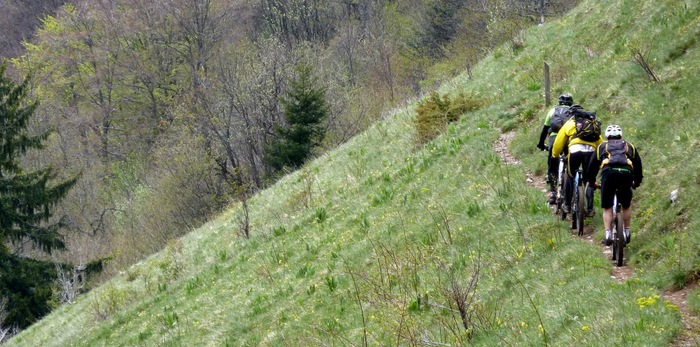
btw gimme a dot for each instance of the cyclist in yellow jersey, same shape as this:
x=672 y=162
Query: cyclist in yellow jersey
x=581 y=147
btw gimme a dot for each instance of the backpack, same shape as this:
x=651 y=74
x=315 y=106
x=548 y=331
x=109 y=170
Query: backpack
x=617 y=152
x=587 y=126
x=559 y=117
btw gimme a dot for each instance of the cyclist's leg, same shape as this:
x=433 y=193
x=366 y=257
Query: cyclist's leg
x=624 y=195
x=607 y=194
x=575 y=160
x=608 y=218
x=589 y=189
x=569 y=182
x=627 y=216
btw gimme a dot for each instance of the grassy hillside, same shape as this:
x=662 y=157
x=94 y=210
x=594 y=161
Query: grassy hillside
x=383 y=243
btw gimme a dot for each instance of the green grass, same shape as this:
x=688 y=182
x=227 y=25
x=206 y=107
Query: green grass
x=378 y=241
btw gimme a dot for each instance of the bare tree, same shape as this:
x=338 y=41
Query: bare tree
x=5 y=332
x=71 y=282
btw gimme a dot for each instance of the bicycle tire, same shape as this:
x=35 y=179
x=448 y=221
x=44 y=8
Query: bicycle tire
x=613 y=235
x=560 y=198
x=581 y=213
x=619 y=224
x=619 y=237
x=619 y=248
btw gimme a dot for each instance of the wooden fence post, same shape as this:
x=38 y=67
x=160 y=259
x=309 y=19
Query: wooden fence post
x=546 y=84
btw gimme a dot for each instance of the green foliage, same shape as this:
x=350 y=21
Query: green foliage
x=693 y=298
x=26 y=198
x=305 y=111
x=27 y=284
x=27 y=202
x=385 y=274
x=108 y=300
x=321 y=214
x=434 y=113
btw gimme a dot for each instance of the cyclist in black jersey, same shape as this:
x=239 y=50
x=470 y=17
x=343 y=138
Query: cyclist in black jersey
x=549 y=133
x=620 y=171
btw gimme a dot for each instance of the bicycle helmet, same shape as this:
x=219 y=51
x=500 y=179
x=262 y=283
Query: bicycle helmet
x=566 y=99
x=613 y=131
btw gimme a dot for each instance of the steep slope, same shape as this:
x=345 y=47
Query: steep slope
x=383 y=243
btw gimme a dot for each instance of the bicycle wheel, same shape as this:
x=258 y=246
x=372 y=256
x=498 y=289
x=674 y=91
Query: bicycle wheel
x=580 y=210
x=560 y=195
x=618 y=237
x=613 y=235
x=619 y=247
x=619 y=224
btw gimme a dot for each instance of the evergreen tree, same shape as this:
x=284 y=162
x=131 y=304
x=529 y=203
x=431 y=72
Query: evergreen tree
x=305 y=110
x=26 y=203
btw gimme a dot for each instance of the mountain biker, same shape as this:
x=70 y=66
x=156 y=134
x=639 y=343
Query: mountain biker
x=580 y=151
x=620 y=171
x=552 y=124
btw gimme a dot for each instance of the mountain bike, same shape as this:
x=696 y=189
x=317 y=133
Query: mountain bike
x=618 y=236
x=578 y=202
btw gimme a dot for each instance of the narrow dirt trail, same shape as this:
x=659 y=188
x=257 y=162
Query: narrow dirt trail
x=622 y=273
x=690 y=336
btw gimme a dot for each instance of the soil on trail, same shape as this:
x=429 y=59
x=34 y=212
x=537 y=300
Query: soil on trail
x=690 y=336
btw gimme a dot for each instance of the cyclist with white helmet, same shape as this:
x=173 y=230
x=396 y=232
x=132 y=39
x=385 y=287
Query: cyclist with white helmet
x=620 y=171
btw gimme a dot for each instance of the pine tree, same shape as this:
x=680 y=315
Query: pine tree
x=305 y=110
x=26 y=203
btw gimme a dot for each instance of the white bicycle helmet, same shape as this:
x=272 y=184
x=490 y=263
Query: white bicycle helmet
x=613 y=131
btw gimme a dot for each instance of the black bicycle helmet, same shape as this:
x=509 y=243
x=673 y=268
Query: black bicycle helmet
x=566 y=99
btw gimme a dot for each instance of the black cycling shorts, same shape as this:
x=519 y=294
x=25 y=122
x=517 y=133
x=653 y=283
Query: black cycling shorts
x=615 y=182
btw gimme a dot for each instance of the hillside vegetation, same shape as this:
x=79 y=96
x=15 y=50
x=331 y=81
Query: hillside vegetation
x=383 y=242
x=171 y=109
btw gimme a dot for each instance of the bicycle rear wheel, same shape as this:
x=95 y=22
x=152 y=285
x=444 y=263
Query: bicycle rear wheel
x=619 y=224
x=581 y=211
x=618 y=240
x=619 y=249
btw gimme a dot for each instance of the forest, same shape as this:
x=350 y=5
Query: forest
x=170 y=110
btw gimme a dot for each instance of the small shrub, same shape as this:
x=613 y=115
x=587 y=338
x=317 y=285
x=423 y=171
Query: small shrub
x=321 y=215
x=681 y=49
x=279 y=231
x=431 y=118
x=384 y=194
x=436 y=112
x=305 y=271
x=473 y=209
x=534 y=86
x=192 y=284
x=331 y=283
x=693 y=298
x=108 y=301
x=169 y=318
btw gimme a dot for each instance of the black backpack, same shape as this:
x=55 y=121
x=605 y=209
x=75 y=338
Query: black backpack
x=618 y=154
x=559 y=117
x=587 y=126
